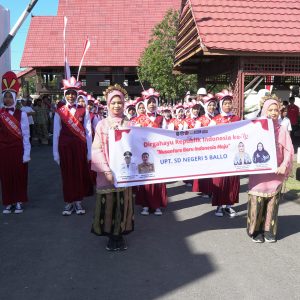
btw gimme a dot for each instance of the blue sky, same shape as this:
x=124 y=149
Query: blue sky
x=16 y=8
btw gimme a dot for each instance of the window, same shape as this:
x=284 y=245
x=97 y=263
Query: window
x=107 y=80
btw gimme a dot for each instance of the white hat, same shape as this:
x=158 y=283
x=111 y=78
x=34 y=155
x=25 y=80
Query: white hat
x=202 y=91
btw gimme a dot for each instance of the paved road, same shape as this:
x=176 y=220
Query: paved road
x=188 y=253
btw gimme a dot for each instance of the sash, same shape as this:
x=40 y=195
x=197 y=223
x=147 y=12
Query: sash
x=158 y=121
x=72 y=123
x=11 y=123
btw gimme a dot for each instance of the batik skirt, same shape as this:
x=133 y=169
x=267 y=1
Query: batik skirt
x=114 y=213
x=263 y=214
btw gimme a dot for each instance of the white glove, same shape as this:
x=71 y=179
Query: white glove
x=26 y=159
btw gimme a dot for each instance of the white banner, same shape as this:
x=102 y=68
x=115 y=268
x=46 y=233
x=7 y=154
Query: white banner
x=149 y=155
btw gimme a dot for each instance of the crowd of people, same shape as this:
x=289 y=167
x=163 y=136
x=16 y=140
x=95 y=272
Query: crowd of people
x=41 y=113
x=289 y=116
x=81 y=149
x=40 y=117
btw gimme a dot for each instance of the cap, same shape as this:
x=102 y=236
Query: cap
x=127 y=153
x=71 y=84
x=202 y=91
x=208 y=98
x=10 y=82
x=224 y=94
x=150 y=93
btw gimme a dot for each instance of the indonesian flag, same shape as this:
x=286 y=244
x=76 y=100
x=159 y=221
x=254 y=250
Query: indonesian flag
x=86 y=48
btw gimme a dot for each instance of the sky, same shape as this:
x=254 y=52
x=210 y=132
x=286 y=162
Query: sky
x=16 y=8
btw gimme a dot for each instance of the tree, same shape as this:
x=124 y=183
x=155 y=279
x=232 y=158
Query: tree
x=156 y=62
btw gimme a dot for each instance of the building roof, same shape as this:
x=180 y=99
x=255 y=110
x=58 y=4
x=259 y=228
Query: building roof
x=236 y=28
x=252 y=26
x=28 y=71
x=118 y=31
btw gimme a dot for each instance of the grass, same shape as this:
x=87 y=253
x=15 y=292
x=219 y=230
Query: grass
x=292 y=185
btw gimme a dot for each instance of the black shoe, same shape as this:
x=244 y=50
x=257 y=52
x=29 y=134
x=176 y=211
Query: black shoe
x=68 y=210
x=122 y=244
x=78 y=208
x=270 y=237
x=112 y=244
x=259 y=238
x=230 y=212
x=8 y=209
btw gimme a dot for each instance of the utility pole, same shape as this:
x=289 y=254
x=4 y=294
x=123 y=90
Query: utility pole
x=15 y=29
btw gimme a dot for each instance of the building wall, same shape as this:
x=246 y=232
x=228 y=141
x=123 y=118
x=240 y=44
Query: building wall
x=5 y=59
x=98 y=81
x=95 y=80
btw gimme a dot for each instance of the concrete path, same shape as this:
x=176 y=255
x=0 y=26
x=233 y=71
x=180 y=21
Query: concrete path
x=188 y=253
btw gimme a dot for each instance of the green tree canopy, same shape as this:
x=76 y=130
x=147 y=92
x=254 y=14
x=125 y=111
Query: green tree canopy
x=156 y=62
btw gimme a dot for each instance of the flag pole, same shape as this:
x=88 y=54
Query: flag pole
x=17 y=26
x=66 y=63
x=86 y=48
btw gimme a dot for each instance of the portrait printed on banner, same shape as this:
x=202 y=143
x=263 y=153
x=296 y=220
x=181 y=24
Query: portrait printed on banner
x=261 y=155
x=242 y=157
x=145 y=167
x=128 y=168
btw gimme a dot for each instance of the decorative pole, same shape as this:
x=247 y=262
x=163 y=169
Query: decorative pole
x=15 y=29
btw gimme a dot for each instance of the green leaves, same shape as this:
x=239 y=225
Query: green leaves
x=156 y=62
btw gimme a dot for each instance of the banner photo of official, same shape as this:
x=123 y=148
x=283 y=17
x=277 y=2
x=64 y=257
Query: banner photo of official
x=141 y=156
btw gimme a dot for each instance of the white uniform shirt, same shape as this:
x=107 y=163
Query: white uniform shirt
x=28 y=109
x=26 y=135
x=286 y=123
x=128 y=169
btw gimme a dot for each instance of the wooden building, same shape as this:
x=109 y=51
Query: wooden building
x=235 y=41
x=118 y=31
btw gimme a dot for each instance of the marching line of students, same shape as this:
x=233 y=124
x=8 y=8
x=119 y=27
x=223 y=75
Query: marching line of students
x=14 y=147
x=80 y=148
